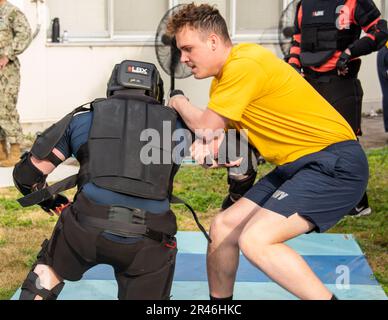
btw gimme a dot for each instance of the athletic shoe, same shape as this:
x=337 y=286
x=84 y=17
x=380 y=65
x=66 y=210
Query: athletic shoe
x=360 y=211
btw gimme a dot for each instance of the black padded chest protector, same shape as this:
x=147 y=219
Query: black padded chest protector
x=321 y=36
x=118 y=159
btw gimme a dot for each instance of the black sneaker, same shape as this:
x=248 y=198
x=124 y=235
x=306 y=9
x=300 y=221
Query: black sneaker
x=228 y=201
x=362 y=208
x=360 y=211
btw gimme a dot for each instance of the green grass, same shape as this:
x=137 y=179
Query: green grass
x=204 y=190
x=6 y=294
x=12 y=215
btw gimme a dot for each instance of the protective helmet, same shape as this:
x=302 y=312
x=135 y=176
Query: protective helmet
x=142 y=76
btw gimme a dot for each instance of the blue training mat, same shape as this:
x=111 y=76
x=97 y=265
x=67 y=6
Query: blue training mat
x=335 y=258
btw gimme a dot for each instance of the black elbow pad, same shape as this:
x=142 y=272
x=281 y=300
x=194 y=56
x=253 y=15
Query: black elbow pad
x=362 y=47
x=26 y=175
x=366 y=12
x=381 y=34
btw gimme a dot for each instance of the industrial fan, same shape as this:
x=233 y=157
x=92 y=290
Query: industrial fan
x=167 y=53
x=286 y=27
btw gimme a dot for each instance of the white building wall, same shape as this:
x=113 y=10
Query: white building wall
x=370 y=83
x=57 y=78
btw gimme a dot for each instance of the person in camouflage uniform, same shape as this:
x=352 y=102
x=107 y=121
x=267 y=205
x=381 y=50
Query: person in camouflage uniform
x=15 y=36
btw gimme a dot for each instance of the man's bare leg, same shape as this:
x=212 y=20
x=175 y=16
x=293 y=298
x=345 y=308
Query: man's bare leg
x=261 y=242
x=223 y=252
x=48 y=278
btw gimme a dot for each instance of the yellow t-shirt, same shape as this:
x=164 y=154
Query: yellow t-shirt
x=285 y=117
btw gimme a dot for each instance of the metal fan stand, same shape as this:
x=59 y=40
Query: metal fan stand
x=167 y=52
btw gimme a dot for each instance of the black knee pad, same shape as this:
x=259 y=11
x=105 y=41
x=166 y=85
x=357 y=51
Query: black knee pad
x=238 y=186
x=241 y=178
x=31 y=288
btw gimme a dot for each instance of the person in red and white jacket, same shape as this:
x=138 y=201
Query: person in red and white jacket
x=326 y=47
x=326 y=50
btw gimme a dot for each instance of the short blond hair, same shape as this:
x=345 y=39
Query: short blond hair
x=203 y=17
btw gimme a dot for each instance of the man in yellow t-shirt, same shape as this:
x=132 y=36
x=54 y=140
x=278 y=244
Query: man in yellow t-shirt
x=321 y=170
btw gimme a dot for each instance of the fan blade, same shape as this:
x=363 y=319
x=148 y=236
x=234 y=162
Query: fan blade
x=166 y=40
x=286 y=27
x=288 y=32
x=167 y=53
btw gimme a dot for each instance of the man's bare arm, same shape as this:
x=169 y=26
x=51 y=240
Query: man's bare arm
x=45 y=166
x=205 y=123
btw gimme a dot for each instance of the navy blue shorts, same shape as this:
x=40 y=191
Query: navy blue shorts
x=322 y=187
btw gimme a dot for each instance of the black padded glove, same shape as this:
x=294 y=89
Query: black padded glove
x=296 y=67
x=342 y=63
x=56 y=203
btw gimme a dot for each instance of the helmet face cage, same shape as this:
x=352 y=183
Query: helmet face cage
x=158 y=93
x=138 y=75
x=112 y=85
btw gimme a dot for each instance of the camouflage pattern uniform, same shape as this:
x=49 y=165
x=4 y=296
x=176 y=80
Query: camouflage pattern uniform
x=15 y=36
